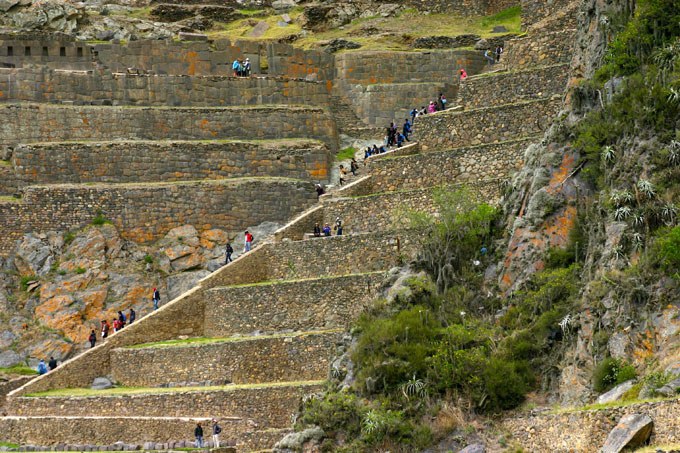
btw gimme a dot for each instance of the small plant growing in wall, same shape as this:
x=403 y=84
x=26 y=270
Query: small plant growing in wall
x=80 y=270
x=148 y=259
x=99 y=219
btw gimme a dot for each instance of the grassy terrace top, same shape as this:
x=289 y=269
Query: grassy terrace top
x=125 y=391
x=301 y=280
x=486 y=109
x=208 y=341
x=225 y=181
x=513 y=71
x=273 y=144
x=613 y=404
x=397 y=32
x=8 y=199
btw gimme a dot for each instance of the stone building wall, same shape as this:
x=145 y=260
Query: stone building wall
x=586 y=431
x=287 y=61
x=135 y=162
x=146 y=212
x=495 y=89
x=445 y=130
x=9 y=180
x=323 y=303
x=489 y=162
x=462 y=7
x=13 y=384
x=539 y=49
x=269 y=406
x=38 y=84
x=57 y=51
x=535 y=10
x=27 y=123
x=249 y=360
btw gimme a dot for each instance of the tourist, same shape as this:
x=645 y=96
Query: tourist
x=42 y=368
x=93 y=339
x=487 y=55
x=319 y=190
x=216 y=433
x=326 y=230
x=116 y=325
x=229 y=251
x=400 y=140
x=121 y=319
x=499 y=51
x=236 y=67
x=382 y=150
x=249 y=242
x=390 y=136
x=317 y=230
x=52 y=363
x=375 y=150
x=246 y=68
x=105 y=328
x=414 y=113
x=156 y=298
x=406 y=129
x=198 y=433
x=463 y=75
x=367 y=153
x=353 y=167
x=338 y=226
x=442 y=101
x=424 y=111
x=132 y=316
x=343 y=173
x=432 y=108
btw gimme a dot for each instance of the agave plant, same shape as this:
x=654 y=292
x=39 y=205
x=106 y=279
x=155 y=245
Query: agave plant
x=674 y=96
x=638 y=219
x=372 y=422
x=565 y=325
x=617 y=252
x=669 y=213
x=674 y=153
x=637 y=241
x=608 y=154
x=414 y=387
x=622 y=213
x=646 y=188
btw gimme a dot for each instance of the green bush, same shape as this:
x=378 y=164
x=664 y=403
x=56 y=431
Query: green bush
x=80 y=270
x=505 y=384
x=99 y=219
x=26 y=280
x=668 y=251
x=612 y=372
x=148 y=259
x=68 y=237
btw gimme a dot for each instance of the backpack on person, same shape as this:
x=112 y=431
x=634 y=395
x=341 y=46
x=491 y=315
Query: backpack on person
x=218 y=430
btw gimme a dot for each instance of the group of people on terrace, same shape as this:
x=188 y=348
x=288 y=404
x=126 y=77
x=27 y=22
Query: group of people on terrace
x=493 y=57
x=241 y=67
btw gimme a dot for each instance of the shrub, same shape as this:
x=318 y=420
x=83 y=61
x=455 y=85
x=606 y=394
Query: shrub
x=80 y=270
x=148 y=259
x=611 y=372
x=68 y=237
x=668 y=251
x=26 y=280
x=99 y=219
x=504 y=385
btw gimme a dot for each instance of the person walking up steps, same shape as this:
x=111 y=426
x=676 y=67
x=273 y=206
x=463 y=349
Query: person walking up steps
x=249 y=242
x=42 y=368
x=338 y=226
x=216 y=434
x=198 y=433
x=156 y=298
x=93 y=339
x=230 y=250
x=52 y=364
x=132 y=315
x=105 y=329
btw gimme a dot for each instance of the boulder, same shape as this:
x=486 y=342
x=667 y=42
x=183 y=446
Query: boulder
x=259 y=30
x=6 y=339
x=482 y=44
x=674 y=369
x=615 y=393
x=33 y=257
x=631 y=431
x=101 y=383
x=473 y=448
x=671 y=388
x=283 y=5
x=499 y=29
x=5 y=5
x=341 y=44
x=183 y=36
x=181 y=283
x=10 y=358
x=294 y=441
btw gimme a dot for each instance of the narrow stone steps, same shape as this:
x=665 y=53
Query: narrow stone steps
x=330 y=302
x=238 y=360
x=268 y=405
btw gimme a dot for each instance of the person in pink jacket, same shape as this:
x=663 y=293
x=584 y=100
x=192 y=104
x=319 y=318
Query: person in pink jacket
x=432 y=108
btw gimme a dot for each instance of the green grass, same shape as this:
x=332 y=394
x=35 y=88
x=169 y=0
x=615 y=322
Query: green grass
x=278 y=282
x=509 y=15
x=5 y=163
x=653 y=448
x=345 y=154
x=8 y=445
x=251 y=12
x=203 y=340
x=21 y=370
x=141 y=13
x=10 y=199
x=118 y=391
x=619 y=403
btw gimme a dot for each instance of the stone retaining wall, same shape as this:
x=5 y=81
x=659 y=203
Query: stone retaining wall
x=27 y=123
x=539 y=49
x=462 y=8
x=8 y=386
x=97 y=87
x=52 y=431
x=586 y=431
x=248 y=361
x=130 y=162
x=535 y=10
x=146 y=212
x=288 y=61
x=313 y=258
x=270 y=406
x=489 y=162
x=504 y=88
x=323 y=303
x=444 y=130
x=9 y=182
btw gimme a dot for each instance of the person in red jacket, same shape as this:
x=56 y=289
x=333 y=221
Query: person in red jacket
x=249 y=242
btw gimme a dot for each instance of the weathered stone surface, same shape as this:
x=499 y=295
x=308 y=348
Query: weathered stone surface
x=338 y=44
x=181 y=283
x=101 y=383
x=670 y=388
x=295 y=441
x=259 y=30
x=615 y=393
x=474 y=448
x=10 y=358
x=632 y=431
x=32 y=256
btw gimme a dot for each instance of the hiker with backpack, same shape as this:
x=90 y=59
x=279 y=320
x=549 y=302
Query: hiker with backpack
x=229 y=251
x=406 y=129
x=216 y=434
x=338 y=226
x=249 y=242
x=121 y=319
x=105 y=329
x=442 y=101
x=42 y=368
